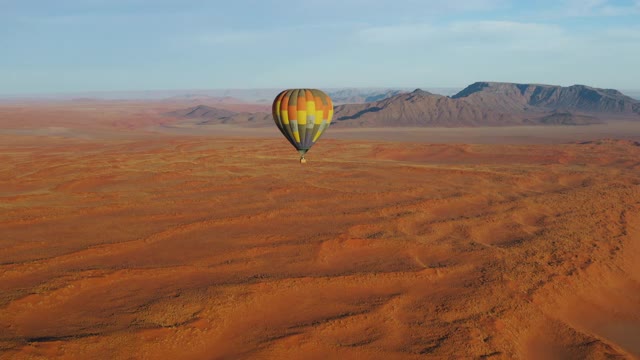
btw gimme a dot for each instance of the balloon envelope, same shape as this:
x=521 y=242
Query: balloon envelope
x=302 y=115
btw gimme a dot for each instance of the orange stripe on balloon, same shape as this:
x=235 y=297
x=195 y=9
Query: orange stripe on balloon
x=302 y=101
x=284 y=105
x=293 y=105
x=319 y=105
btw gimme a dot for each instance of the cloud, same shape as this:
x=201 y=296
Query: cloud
x=405 y=5
x=623 y=33
x=397 y=33
x=507 y=35
x=518 y=36
x=580 y=8
x=469 y=5
x=274 y=36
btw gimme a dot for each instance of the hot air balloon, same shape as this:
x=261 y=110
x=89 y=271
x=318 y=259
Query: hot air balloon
x=302 y=115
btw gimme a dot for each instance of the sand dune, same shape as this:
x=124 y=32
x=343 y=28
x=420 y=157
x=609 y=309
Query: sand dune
x=215 y=247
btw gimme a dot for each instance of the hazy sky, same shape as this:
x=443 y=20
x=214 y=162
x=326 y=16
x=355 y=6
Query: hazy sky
x=85 y=45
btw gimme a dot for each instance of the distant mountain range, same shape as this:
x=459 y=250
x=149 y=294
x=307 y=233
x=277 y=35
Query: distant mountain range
x=479 y=104
x=492 y=104
x=203 y=112
x=418 y=108
x=530 y=97
x=207 y=115
x=360 y=96
x=213 y=96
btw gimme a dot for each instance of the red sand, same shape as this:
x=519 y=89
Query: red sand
x=128 y=245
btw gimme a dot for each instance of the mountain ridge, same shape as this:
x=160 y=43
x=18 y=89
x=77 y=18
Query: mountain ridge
x=541 y=97
x=479 y=104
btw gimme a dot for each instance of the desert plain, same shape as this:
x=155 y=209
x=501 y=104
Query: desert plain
x=126 y=236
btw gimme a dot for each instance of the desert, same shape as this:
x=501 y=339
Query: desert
x=130 y=234
x=338 y=179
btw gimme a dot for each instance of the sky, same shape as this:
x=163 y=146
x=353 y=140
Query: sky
x=60 y=46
